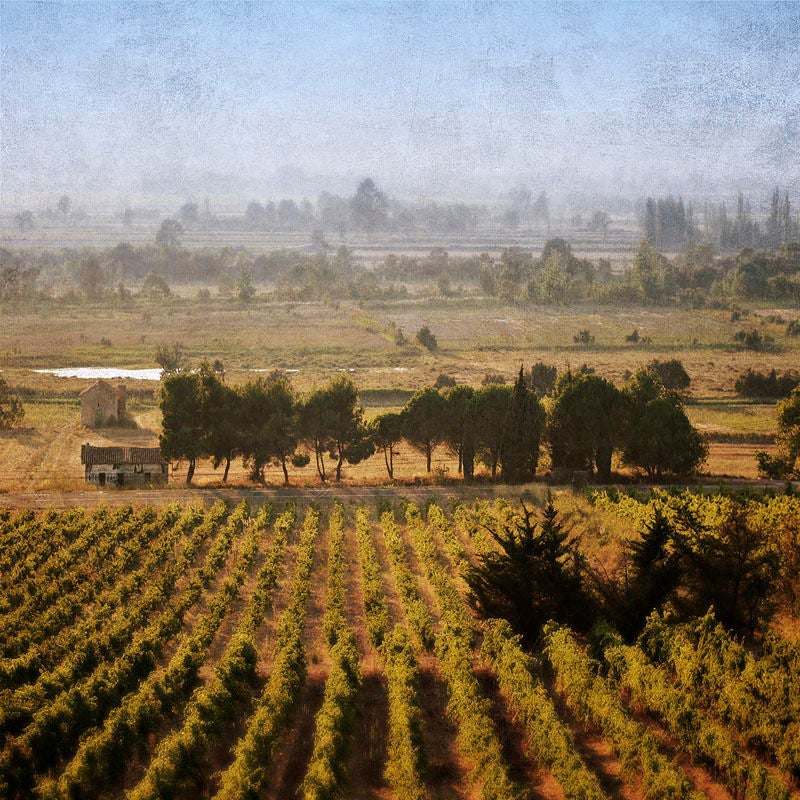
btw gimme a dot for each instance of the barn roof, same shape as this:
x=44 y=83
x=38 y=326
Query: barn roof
x=120 y=455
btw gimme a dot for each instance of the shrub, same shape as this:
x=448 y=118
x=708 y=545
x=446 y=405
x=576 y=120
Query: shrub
x=427 y=339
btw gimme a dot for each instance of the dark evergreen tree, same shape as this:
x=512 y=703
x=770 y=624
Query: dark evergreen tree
x=536 y=575
x=523 y=433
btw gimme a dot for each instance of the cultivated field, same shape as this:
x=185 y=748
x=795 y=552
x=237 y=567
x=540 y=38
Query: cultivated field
x=318 y=652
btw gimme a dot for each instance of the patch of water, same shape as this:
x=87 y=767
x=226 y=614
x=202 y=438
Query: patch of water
x=106 y=373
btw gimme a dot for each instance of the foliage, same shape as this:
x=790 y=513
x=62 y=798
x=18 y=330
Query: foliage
x=171 y=359
x=659 y=436
x=424 y=422
x=524 y=426
x=387 y=431
x=731 y=567
x=543 y=378
x=584 y=423
x=783 y=464
x=269 y=424
x=548 y=737
x=331 y=421
x=536 y=575
x=752 y=383
x=183 y=434
x=672 y=374
x=11 y=408
x=650 y=576
x=427 y=339
x=591 y=697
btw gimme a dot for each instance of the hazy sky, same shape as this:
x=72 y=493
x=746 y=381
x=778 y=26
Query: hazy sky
x=438 y=99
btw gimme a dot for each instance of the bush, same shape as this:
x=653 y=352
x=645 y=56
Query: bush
x=427 y=339
x=444 y=381
x=583 y=337
x=753 y=340
x=770 y=385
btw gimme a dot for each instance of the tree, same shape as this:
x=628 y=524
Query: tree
x=91 y=278
x=535 y=575
x=672 y=374
x=368 y=207
x=387 y=432
x=650 y=576
x=659 y=437
x=244 y=284
x=171 y=359
x=24 y=221
x=270 y=424
x=459 y=426
x=732 y=567
x=11 y=408
x=184 y=435
x=189 y=214
x=427 y=339
x=491 y=413
x=332 y=422
x=543 y=378
x=155 y=287
x=64 y=205
x=523 y=432
x=169 y=234
x=783 y=464
x=221 y=417
x=424 y=418
x=649 y=273
x=584 y=423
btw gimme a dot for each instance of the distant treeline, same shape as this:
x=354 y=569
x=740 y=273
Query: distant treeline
x=125 y=274
x=584 y=421
x=669 y=225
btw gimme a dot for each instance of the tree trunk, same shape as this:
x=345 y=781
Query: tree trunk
x=320 y=462
x=387 y=457
x=285 y=471
x=340 y=450
x=190 y=472
x=428 y=451
x=227 y=467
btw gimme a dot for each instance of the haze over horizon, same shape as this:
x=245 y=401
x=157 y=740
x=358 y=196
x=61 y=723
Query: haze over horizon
x=118 y=103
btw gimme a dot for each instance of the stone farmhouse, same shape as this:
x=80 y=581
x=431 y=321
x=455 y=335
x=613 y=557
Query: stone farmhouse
x=124 y=466
x=101 y=403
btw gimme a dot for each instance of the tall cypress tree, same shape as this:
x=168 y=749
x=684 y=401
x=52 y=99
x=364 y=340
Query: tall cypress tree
x=523 y=432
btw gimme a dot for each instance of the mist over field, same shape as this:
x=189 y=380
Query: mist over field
x=120 y=104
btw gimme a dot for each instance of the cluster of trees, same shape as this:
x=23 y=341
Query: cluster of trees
x=669 y=225
x=770 y=384
x=585 y=420
x=681 y=562
x=695 y=277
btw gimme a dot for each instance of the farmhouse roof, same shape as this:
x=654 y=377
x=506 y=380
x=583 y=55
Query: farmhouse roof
x=100 y=385
x=120 y=455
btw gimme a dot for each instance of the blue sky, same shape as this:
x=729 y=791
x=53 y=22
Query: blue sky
x=439 y=99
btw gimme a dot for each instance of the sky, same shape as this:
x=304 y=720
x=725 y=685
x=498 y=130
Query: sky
x=118 y=101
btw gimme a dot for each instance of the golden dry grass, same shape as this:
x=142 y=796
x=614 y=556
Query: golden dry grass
x=319 y=341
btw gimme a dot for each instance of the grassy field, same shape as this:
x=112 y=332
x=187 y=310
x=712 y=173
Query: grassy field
x=317 y=341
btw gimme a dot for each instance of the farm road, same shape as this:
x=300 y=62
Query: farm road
x=256 y=497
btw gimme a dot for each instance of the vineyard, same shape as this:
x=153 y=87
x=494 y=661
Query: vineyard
x=332 y=650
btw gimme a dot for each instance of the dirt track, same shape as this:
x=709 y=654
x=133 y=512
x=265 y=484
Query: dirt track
x=417 y=494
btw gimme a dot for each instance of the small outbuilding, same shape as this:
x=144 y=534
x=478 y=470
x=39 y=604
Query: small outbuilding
x=102 y=404
x=124 y=466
